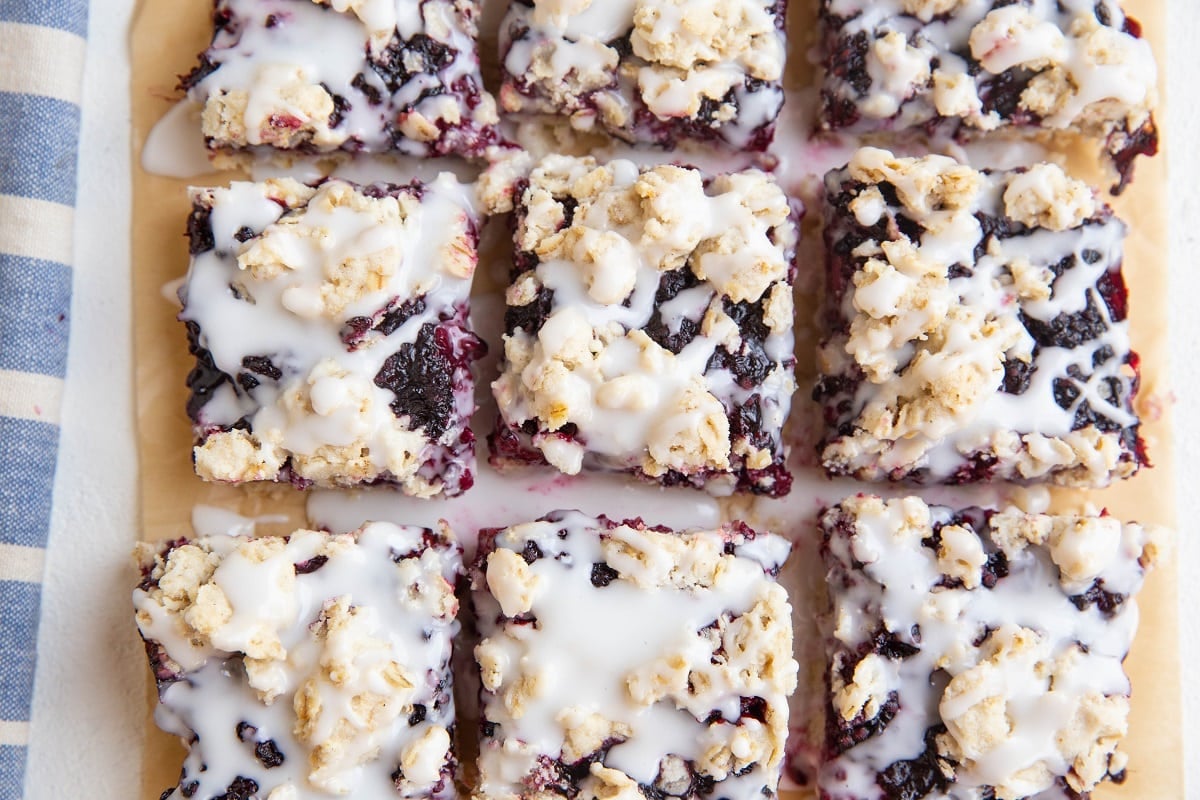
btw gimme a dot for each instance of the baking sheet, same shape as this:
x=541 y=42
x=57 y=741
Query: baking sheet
x=165 y=38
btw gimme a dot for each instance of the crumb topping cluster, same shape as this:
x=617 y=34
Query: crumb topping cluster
x=314 y=665
x=974 y=65
x=1028 y=618
x=649 y=70
x=354 y=75
x=649 y=309
x=977 y=326
x=308 y=307
x=644 y=656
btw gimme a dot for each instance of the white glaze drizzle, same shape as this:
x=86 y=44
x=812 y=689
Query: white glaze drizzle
x=893 y=315
x=684 y=61
x=510 y=498
x=396 y=608
x=216 y=521
x=175 y=147
x=581 y=667
x=798 y=160
x=282 y=62
x=884 y=580
x=333 y=255
x=1090 y=77
x=635 y=404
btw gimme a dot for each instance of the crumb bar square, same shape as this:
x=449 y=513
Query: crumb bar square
x=975 y=327
x=657 y=71
x=966 y=67
x=305 y=666
x=649 y=325
x=619 y=660
x=329 y=325
x=977 y=654
x=320 y=76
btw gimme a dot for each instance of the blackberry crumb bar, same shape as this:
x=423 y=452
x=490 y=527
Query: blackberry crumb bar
x=977 y=653
x=656 y=71
x=975 y=327
x=305 y=666
x=964 y=67
x=319 y=76
x=619 y=660
x=329 y=325
x=649 y=325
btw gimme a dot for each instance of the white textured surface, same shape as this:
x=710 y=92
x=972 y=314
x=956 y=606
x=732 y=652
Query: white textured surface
x=1183 y=130
x=88 y=706
x=88 y=709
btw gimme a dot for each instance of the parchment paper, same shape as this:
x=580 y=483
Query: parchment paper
x=165 y=39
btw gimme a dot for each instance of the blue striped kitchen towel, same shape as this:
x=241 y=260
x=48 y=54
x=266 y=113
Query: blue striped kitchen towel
x=41 y=73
